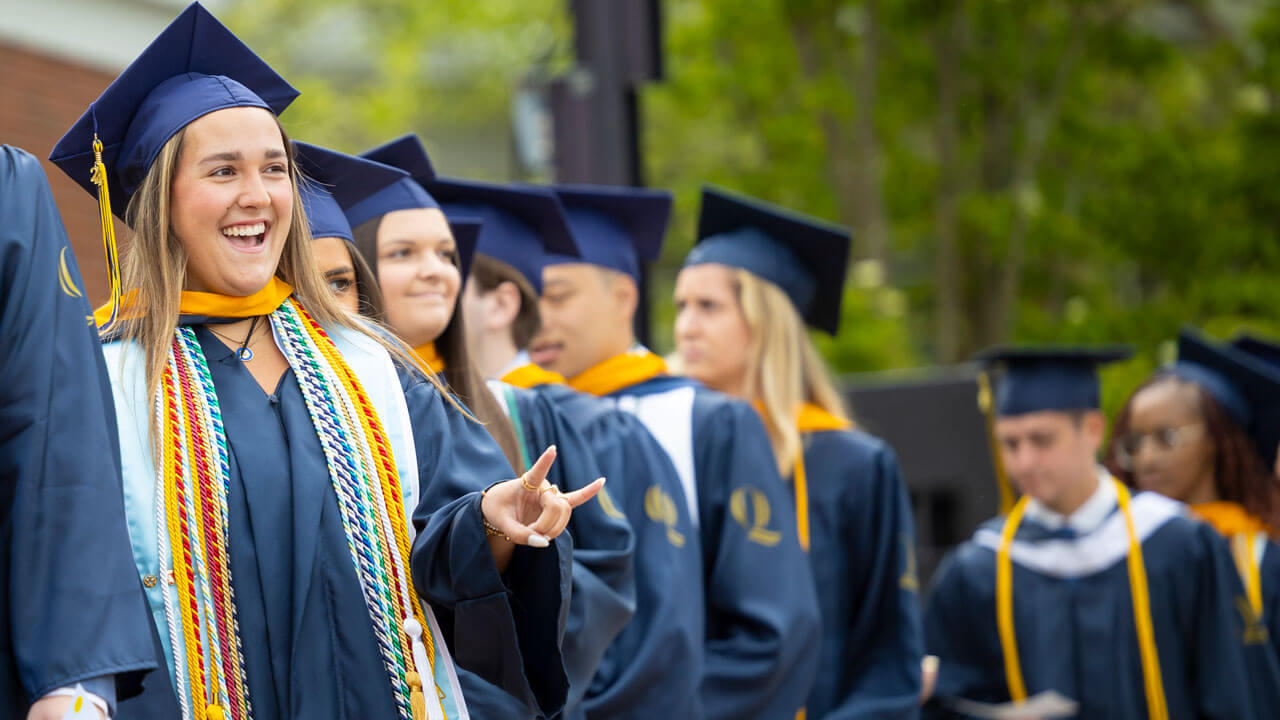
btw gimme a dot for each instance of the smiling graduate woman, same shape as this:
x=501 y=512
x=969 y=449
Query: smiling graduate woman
x=308 y=512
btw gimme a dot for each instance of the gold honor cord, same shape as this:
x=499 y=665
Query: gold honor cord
x=986 y=403
x=99 y=178
x=1247 y=564
x=802 y=502
x=1153 y=684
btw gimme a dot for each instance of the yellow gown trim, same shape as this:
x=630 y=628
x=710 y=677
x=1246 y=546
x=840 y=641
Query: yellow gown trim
x=529 y=376
x=263 y=302
x=618 y=372
x=427 y=353
x=1243 y=530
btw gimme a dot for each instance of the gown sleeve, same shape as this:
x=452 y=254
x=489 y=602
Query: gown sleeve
x=958 y=632
x=604 y=587
x=506 y=629
x=763 y=621
x=74 y=601
x=884 y=640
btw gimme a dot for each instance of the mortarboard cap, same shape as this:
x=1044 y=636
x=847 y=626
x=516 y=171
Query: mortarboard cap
x=1219 y=371
x=522 y=225
x=1264 y=357
x=1049 y=377
x=194 y=67
x=615 y=227
x=805 y=257
x=407 y=154
x=334 y=181
x=466 y=233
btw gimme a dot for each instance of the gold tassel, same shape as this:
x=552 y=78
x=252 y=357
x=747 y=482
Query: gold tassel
x=213 y=712
x=99 y=178
x=986 y=403
x=417 y=701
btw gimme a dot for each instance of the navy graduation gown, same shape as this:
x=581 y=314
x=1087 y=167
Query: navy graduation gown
x=603 y=597
x=862 y=551
x=72 y=607
x=309 y=648
x=763 y=622
x=653 y=668
x=1075 y=630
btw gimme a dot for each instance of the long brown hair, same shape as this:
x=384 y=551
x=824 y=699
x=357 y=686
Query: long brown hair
x=464 y=377
x=1239 y=475
x=155 y=265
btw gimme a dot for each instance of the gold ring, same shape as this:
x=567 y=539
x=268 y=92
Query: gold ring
x=524 y=480
x=549 y=488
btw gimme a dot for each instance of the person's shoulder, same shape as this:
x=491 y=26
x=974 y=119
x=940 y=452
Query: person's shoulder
x=852 y=443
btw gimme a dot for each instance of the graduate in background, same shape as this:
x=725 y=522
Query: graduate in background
x=762 y=617
x=603 y=595
x=1121 y=602
x=652 y=668
x=1183 y=434
x=272 y=449
x=755 y=277
x=72 y=612
x=1265 y=428
x=345 y=270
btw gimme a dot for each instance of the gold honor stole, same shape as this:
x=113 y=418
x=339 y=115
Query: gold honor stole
x=1245 y=532
x=1152 y=682
x=620 y=371
x=531 y=376
x=428 y=355
x=263 y=302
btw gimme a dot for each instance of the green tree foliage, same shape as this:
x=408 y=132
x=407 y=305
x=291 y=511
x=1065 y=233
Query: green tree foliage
x=1063 y=170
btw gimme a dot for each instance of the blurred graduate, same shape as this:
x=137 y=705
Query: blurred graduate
x=73 y=611
x=421 y=289
x=1186 y=433
x=652 y=668
x=762 y=617
x=757 y=275
x=275 y=447
x=1121 y=603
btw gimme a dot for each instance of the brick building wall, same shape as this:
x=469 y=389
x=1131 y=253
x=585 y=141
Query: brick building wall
x=40 y=97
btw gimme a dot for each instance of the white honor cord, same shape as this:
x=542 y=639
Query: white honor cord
x=422 y=665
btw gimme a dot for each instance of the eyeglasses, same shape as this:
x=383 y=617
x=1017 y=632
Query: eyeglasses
x=1165 y=439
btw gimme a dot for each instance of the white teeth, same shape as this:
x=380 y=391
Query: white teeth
x=245 y=230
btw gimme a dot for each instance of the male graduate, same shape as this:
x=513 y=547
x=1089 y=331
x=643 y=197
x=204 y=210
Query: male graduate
x=1120 y=602
x=1265 y=425
x=73 y=618
x=652 y=668
x=762 y=615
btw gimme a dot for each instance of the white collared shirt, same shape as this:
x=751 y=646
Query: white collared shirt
x=1087 y=517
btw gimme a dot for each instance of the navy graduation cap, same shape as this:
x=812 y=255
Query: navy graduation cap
x=333 y=181
x=1049 y=377
x=1263 y=358
x=522 y=225
x=1221 y=371
x=615 y=227
x=407 y=154
x=466 y=233
x=805 y=257
x=194 y=67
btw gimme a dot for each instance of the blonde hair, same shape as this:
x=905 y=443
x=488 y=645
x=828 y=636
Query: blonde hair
x=784 y=369
x=155 y=264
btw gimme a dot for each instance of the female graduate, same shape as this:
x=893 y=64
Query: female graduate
x=757 y=275
x=421 y=289
x=1183 y=434
x=273 y=446
x=349 y=277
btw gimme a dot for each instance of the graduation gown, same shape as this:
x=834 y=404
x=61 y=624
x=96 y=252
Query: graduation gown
x=763 y=622
x=309 y=648
x=603 y=597
x=72 y=607
x=862 y=552
x=1074 y=620
x=652 y=668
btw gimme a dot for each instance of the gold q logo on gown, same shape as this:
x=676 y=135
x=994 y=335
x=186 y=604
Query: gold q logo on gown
x=661 y=508
x=750 y=508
